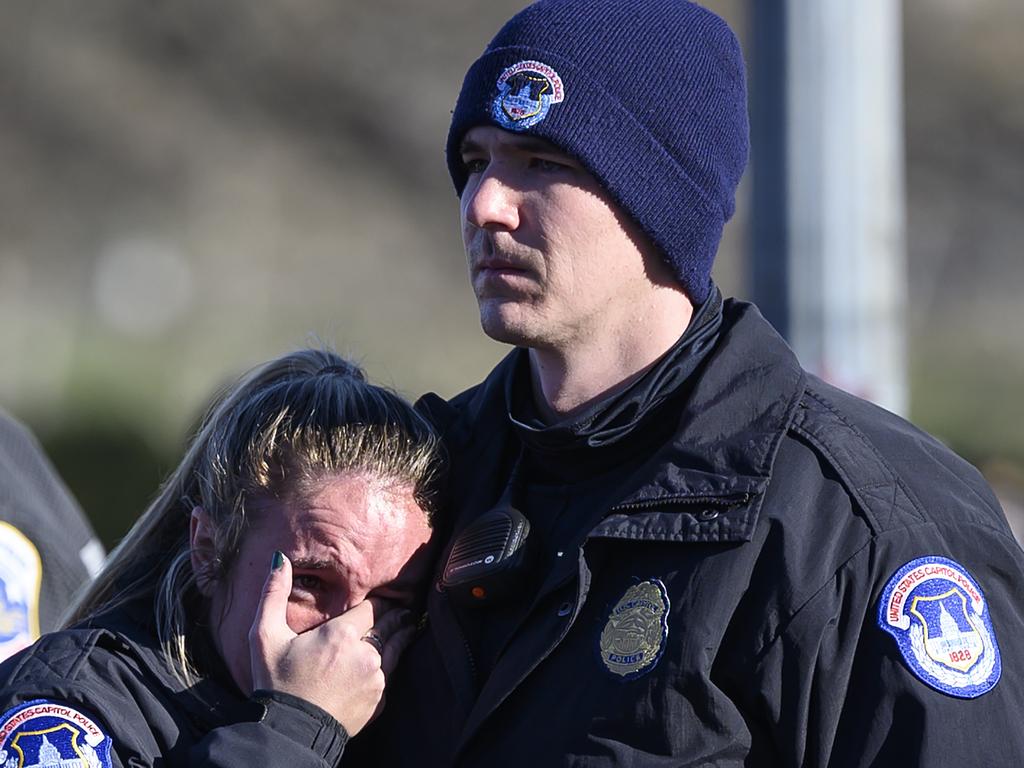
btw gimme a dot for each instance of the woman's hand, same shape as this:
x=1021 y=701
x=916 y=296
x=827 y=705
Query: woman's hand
x=340 y=665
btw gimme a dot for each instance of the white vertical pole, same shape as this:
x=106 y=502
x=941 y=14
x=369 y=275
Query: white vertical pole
x=845 y=180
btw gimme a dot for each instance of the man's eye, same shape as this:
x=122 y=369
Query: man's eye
x=474 y=164
x=547 y=164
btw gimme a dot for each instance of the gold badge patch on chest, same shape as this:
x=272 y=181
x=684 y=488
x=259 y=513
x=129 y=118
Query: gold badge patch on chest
x=634 y=635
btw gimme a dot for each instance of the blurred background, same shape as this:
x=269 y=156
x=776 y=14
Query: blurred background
x=190 y=188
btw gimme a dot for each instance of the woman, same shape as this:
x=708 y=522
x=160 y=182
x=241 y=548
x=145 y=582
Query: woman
x=252 y=614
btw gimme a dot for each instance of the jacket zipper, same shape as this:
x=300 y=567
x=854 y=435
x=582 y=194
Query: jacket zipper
x=465 y=646
x=733 y=500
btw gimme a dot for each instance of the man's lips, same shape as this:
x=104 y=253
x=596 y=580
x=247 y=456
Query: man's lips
x=498 y=277
x=490 y=262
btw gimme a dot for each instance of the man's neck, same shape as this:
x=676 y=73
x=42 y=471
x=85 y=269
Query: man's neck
x=567 y=379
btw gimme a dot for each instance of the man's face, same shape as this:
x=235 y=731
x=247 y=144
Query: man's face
x=551 y=259
x=354 y=537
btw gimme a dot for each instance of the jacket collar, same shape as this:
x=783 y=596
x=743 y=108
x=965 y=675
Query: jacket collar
x=210 y=701
x=604 y=426
x=729 y=429
x=738 y=405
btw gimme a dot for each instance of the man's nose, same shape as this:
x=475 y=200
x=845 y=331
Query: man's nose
x=491 y=203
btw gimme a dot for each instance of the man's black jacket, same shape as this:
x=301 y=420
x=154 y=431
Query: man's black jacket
x=726 y=601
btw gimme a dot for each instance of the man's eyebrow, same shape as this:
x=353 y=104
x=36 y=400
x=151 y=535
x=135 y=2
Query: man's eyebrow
x=468 y=145
x=520 y=143
x=534 y=144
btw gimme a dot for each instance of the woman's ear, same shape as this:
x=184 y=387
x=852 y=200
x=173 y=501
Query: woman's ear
x=201 y=546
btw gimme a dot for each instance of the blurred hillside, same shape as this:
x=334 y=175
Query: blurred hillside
x=190 y=188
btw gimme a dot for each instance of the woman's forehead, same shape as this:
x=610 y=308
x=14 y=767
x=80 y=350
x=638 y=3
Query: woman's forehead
x=346 y=505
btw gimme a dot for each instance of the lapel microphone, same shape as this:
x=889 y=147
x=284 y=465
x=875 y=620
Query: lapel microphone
x=490 y=558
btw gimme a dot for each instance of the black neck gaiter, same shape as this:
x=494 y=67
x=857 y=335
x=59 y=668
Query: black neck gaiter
x=610 y=420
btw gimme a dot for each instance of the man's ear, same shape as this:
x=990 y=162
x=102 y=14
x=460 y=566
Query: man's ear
x=203 y=551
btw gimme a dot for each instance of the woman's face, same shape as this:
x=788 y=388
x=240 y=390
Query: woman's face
x=353 y=537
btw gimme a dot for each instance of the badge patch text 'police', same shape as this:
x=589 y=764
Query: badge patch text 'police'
x=634 y=636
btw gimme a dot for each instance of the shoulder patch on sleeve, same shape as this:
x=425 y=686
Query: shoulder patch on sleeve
x=51 y=733
x=938 y=616
x=21 y=574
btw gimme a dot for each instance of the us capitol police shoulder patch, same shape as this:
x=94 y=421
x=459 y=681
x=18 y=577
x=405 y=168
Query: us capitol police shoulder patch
x=51 y=733
x=634 y=636
x=938 y=615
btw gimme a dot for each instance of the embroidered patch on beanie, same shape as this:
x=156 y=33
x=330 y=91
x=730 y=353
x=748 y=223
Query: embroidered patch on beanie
x=526 y=91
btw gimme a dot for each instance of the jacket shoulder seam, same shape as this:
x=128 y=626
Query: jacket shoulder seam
x=68 y=665
x=882 y=491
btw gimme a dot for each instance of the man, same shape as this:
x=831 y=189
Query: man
x=48 y=550
x=728 y=562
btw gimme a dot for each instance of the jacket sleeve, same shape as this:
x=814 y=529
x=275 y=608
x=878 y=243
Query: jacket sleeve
x=841 y=690
x=117 y=730
x=289 y=732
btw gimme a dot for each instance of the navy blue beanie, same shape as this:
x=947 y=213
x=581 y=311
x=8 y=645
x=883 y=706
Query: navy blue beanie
x=649 y=95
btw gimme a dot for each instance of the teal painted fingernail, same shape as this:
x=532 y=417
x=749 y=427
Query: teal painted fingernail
x=277 y=561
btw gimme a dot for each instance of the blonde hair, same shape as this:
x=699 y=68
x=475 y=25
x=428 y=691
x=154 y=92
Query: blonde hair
x=280 y=429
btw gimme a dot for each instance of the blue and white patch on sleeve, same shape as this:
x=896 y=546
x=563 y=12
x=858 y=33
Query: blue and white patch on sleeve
x=938 y=615
x=51 y=733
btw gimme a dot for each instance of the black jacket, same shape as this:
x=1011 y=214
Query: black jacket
x=111 y=681
x=725 y=600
